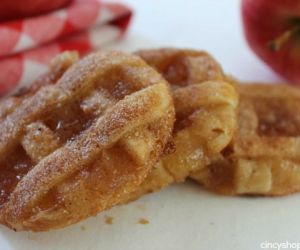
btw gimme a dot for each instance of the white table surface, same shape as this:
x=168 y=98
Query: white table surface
x=183 y=216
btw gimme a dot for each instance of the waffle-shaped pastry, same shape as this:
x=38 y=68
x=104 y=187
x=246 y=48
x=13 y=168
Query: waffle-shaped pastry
x=263 y=158
x=182 y=67
x=205 y=109
x=77 y=143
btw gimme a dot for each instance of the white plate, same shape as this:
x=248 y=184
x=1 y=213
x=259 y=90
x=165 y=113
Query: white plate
x=183 y=216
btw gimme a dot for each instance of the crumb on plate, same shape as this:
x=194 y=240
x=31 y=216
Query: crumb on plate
x=143 y=221
x=109 y=220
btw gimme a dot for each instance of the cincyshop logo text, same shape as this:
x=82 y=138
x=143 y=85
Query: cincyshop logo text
x=280 y=245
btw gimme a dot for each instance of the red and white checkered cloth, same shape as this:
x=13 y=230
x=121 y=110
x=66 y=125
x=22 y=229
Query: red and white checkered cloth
x=28 y=45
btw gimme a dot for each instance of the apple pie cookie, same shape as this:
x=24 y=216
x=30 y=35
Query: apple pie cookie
x=77 y=143
x=262 y=158
x=205 y=109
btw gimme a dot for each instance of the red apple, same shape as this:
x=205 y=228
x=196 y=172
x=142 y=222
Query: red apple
x=13 y=9
x=272 y=29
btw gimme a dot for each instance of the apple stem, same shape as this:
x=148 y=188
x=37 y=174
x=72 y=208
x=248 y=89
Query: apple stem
x=277 y=43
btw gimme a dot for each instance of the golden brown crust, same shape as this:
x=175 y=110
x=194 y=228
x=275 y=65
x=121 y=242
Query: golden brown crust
x=57 y=68
x=205 y=114
x=182 y=67
x=98 y=153
x=263 y=157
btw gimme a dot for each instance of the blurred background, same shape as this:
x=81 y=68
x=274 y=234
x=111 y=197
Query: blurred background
x=214 y=26
x=31 y=34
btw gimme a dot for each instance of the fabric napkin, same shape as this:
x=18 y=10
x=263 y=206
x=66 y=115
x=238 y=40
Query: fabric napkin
x=28 y=45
